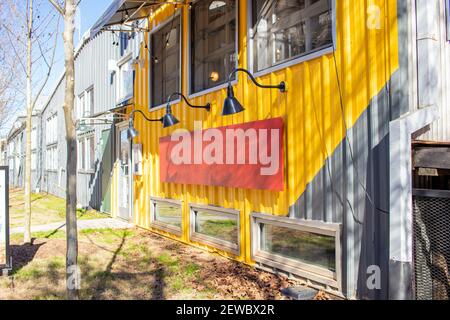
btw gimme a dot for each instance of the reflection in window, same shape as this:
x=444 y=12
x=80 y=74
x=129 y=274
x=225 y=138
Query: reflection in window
x=167 y=213
x=165 y=62
x=306 y=247
x=286 y=29
x=126 y=81
x=213 y=43
x=217 y=225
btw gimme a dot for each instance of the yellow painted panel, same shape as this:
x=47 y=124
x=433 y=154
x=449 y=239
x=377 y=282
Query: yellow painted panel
x=365 y=59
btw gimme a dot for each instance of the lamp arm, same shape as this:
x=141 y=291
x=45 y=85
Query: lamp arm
x=281 y=86
x=145 y=117
x=207 y=106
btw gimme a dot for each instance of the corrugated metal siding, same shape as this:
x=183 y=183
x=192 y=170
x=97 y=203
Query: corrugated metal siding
x=432 y=25
x=366 y=60
x=55 y=182
x=92 y=70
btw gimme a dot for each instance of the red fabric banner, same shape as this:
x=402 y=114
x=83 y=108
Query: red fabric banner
x=248 y=156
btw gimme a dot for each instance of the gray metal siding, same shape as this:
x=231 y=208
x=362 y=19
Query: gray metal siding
x=434 y=65
x=353 y=186
x=54 y=182
x=92 y=69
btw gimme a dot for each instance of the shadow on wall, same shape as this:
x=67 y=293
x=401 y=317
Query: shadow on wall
x=100 y=182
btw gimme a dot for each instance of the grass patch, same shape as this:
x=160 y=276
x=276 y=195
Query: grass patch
x=167 y=260
x=46 y=209
x=134 y=264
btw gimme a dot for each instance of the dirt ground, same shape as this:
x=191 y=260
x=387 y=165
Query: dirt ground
x=133 y=264
x=45 y=208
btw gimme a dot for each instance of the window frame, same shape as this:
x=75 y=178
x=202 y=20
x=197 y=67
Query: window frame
x=293 y=61
x=161 y=25
x=34 y=138
x=89 y=96
x=51 y=124
x=161 y=225
x=33 y=160
x=302 y=269
x=51 y=158
x=125 y=59
x=192 y=95
x=212 y=241
x=83 y=149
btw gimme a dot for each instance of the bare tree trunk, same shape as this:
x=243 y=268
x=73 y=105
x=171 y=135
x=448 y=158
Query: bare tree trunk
x=71 y=187
x=27 y=196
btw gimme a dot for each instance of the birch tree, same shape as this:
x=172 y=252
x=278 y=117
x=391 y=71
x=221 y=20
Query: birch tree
x=36 y=35
x=67 y=10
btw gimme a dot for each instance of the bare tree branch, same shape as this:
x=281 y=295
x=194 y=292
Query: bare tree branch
x=57 y=7
x=16 y=53
x=49 y=65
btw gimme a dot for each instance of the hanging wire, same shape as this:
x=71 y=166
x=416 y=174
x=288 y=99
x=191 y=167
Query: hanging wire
x=342 y=108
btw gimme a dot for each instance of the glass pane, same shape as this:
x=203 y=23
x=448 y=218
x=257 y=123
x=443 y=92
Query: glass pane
x=310 y=248
x=216 y=225
x=213 y=35
x=287 y=29
x=165 y=70
x=92 y=153
x=168 y=213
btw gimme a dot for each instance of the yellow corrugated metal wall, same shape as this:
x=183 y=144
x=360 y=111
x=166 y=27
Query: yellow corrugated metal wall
x=366 y=58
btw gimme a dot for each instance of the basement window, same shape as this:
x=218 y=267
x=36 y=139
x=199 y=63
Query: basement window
x=213 y=43
x=166 y=214
x=218 y=227
x=165 y=44
x=286 y=30
x=310 y=249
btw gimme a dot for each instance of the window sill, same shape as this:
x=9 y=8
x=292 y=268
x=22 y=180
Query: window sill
x=216 y=243
x=166 y=228
x=288 y=265
x=213 y=89
x=162 y=106
x=295 y=61
x=86 y=172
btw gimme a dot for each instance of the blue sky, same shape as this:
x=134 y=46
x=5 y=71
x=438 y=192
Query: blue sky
x=89 y=12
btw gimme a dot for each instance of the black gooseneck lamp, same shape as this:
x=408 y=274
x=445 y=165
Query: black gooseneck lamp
x=169 y=119
x=231 y=105
x=132 y=132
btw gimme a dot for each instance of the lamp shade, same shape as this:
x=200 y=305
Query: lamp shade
x=169 y=120
x=231 y=105
x=132 y=132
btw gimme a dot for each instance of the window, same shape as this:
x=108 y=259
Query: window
x=126 y=81
x=33 y=138
x=124 y=38
x=284 y=30
x=89 y=106
x=165 y=62
x=33 y=161
x=166 y=215
x=213 y=46
x=51 y=129
x=85 y=105
x=80 y=106
x=216 y=226
x=310 y=249
x=86 y=153
x=51 y=158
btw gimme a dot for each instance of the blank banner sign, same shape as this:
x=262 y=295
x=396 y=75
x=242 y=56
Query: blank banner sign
x=4 y=219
